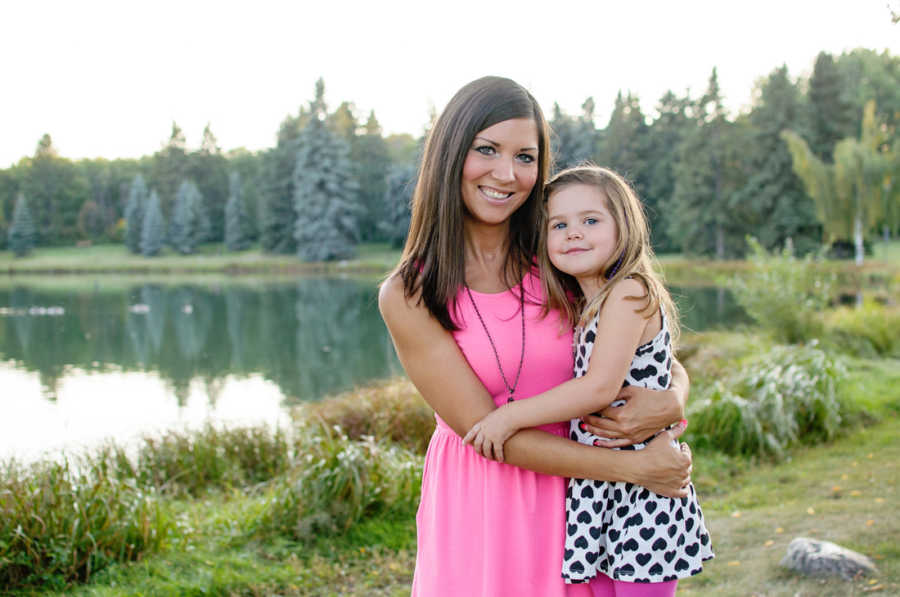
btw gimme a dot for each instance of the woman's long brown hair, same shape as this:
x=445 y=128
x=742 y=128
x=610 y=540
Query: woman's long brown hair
x=433 y=259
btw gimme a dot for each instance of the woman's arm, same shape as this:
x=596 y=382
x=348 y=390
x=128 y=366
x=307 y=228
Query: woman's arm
x=644 y=413
x=620 y=329
x=439 y=371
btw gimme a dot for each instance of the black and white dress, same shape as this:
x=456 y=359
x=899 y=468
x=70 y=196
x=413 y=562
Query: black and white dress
x=624 y=530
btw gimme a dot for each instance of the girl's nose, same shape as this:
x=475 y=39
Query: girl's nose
x=574 y=232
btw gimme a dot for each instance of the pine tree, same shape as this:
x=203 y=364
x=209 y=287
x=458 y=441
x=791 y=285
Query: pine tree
x=276 y=214
x=573 y=139
x=664 y=137
x=154 y=227
x=134 y=213
x=325 y=193
x=203 y=231
x=772 y=206
x=235 y=216
x=401 y=182
x=624 y=141
x=21 y=231
x=831 y=115
x=182 y=223
x=371 y=161
x=706 y=178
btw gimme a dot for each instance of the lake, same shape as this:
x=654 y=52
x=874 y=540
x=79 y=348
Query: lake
x=101 y=360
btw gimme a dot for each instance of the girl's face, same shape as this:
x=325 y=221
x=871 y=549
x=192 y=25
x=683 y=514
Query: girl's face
x=500 y=170
x=581 y=232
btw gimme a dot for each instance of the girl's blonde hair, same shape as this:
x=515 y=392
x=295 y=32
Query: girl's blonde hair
x=631 y=258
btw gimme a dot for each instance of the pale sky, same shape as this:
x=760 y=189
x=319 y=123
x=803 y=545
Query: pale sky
x=108 y=78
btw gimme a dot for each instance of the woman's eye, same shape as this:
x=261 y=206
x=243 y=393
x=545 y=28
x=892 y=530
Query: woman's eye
x=485 y=150
x=526 y=158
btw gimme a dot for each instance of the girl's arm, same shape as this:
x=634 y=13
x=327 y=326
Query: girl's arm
x=439 y=371
x=643 y=413
x=620 y=329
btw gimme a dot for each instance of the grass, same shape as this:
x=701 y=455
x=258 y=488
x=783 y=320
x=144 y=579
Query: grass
x=115 y=258
x=845 y=492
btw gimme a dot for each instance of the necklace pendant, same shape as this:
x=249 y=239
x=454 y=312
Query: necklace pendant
x=510 y=399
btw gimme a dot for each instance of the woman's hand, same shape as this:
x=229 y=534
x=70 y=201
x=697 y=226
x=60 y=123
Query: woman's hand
x=489 y=434
x=644 y=412
x=665 y=465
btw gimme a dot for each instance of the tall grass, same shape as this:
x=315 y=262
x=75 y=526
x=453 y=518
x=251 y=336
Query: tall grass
x=786 y=396
x=189 y=463
x=783 y=294
x=58 y=526
x=340 y=482
x=870 y=330
x=391 y=409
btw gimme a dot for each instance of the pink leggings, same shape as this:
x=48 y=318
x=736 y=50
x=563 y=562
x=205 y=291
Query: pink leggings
x=604 y=586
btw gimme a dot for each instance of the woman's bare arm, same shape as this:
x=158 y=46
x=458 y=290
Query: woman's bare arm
x=439 y=371
x=645 y=411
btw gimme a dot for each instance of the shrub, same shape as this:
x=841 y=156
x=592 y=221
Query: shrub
x=189 y=463
x=59 y=526
x=783 y=294
x=783 y=397
x=865 y=331
x=339 y=481
x=391 y=410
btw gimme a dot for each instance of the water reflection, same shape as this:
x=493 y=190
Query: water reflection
x=97 y=361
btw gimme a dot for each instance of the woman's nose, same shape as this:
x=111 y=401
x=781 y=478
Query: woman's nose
x=503 y=170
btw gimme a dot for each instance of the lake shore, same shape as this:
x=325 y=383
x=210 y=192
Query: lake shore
x=843 y=491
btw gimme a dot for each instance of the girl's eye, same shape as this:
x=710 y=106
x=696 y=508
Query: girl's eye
x=525 y=158
x=558 y=226
x=590 y=221
x=485 y=150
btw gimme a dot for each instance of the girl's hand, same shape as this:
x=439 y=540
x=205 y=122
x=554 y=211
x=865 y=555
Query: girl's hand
x=489 y=434
x=644 y=413
x=665 y=466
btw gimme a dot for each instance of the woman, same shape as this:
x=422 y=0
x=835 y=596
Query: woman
x=464 y=309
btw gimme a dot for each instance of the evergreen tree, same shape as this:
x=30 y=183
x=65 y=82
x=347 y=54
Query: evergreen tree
x=235 y=217
x=371 y=161
x=664 y=137
x=325 y=193
x=773 y=206
x=573 y=139
x=401 y=182
x=276 y=209
x=706 y=177
x=56 y=188
x=831 y=114
x=624 y=142
x=169 y=167
x=181 y=222
x=134 y=213
x=21 y=231
x=153 y=231
x=208 y=170
x=203 y=231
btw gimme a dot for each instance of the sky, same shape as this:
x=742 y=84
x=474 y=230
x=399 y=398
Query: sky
x=108 y=78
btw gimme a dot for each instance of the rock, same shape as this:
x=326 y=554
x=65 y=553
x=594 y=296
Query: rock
x=823 y=558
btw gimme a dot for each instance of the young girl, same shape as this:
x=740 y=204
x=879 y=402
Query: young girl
x=621 y=537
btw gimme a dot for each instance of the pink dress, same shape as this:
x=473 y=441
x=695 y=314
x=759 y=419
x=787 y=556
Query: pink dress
x=484 y=528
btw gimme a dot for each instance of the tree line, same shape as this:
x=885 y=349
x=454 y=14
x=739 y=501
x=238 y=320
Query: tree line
x=814 y=160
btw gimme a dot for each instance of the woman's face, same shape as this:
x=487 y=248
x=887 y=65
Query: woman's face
x=500 y=170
